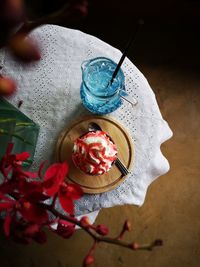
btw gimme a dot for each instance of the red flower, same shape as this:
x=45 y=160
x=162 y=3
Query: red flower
x=66 y=194
x=65 y=229
x=21 y=198
x=26 y=233
x=30 y=212
x=11 y=162
x=54 y=184
x=27 y=206
x=54 y=177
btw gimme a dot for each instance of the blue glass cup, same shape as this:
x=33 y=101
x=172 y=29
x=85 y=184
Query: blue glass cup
x=98 y=94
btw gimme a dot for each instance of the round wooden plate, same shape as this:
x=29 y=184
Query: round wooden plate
x=100 y=183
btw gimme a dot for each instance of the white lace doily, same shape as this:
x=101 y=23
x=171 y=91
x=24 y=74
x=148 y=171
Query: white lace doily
x=50 y=93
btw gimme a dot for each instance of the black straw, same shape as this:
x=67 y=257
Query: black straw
x=131 y=40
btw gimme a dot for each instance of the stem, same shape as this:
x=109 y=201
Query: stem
x=98 y=238
x=53 y=18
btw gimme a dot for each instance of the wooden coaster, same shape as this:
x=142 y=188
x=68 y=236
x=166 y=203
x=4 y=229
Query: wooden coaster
x=100 y=183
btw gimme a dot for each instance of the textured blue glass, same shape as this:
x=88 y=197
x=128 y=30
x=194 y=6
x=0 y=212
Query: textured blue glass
x=98 y=95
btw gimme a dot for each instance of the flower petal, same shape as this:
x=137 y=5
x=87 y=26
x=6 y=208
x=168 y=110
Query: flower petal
x=66 y=203
x=27 y=174
x=41 y=168
x=32 y=229
x=22 y=156
x=9 y=148
x=57 y=169
x=51 y=171
x=54 y=177
x=74 y=191
x=26 y=188
x=33 y=213
x=7 y=223
x=32 y=175
x=6 y=205
x=3 y=197
x=7 y=187
x=65 y=229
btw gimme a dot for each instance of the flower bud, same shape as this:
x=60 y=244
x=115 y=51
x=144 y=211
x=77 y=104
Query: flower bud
x=24 y=48
x=84 y=221
x=135 y=246
x=7 y=86
x=127 y=226
x=89 y=259
x=102 y=229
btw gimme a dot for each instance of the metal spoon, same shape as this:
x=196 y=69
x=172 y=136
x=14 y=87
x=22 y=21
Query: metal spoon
x=93 y=126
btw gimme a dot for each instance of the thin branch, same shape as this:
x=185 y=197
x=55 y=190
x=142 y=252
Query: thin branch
x=64 y=13
x=99 y=238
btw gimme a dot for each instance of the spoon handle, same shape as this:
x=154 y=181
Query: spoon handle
x=121 y=167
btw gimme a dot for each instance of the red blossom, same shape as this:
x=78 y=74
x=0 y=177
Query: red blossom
x=26 y=233
x=54 y=177
x=54 y=184
x=20 y=195
x=66 y=194
x=65 y=229
x=32 y=212
x=11 y=162
x=66 y=203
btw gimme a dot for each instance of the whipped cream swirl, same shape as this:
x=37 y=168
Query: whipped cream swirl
x=94 y=153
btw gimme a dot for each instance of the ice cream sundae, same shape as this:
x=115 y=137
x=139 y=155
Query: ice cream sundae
x=94 y=153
